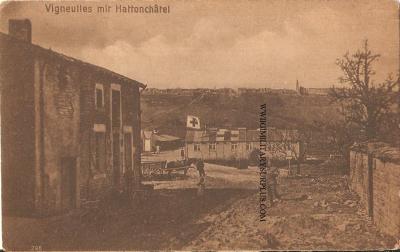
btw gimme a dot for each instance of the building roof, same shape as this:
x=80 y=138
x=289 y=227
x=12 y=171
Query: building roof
x=197 y=136
x=252 y=136
x=48 y=52
x=165 y=138
x=282 y=135
x=245 y=135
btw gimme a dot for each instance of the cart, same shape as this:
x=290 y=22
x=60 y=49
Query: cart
x=154 y=168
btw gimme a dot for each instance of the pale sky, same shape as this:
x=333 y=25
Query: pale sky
x=221 y=43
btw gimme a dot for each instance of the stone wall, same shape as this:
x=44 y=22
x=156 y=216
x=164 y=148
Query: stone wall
x=385 y=183
x=386 y=195
x=359 y=175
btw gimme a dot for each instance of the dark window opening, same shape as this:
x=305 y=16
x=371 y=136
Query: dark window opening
x=116 y=108
x=99 y=98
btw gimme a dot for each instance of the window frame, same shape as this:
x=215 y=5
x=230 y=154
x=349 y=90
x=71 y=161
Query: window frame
x=212 y=146
x=115 y=87
x=100 y=129
x=248 y=146
x=100 y=87
x=196 y=147
x=234 y=146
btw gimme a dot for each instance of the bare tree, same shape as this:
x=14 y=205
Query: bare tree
x=291 y=145
x=364 y=103
x=339 y=136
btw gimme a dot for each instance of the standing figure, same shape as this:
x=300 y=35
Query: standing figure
x=199 y=164
x=201 y=187
x=272 y=184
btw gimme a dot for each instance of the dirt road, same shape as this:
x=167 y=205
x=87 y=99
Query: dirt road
x=314 y=213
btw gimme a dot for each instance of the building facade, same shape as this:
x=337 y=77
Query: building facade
x=151 y=139
x=70 y=131
x=311 y=91
x=240 y=143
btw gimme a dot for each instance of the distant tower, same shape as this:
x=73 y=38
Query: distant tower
x=297 y=86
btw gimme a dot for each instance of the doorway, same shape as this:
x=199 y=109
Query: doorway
x=68 y=183
x=128 y=151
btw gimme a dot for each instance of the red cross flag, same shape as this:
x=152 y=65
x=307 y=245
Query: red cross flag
x=193 y=122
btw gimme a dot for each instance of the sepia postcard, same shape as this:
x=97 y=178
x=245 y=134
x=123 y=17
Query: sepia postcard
x=203 y=125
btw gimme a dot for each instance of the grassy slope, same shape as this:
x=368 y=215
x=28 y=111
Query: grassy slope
x=168 y=112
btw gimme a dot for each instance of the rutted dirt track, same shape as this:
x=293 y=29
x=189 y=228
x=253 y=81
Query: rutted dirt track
x=314 y=213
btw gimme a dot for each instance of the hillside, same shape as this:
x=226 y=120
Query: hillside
x=167 y=112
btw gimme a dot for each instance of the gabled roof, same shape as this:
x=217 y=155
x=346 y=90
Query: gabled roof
x=165 y=138
x=48 y=52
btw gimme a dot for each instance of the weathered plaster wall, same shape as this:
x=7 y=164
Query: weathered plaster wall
x=60 y=83
x=95 y=184
x=17 y=127
x=47 y=120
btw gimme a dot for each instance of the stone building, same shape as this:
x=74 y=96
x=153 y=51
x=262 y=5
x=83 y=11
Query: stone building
x=311 y=91
x=229 y=144
x=70 y=130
